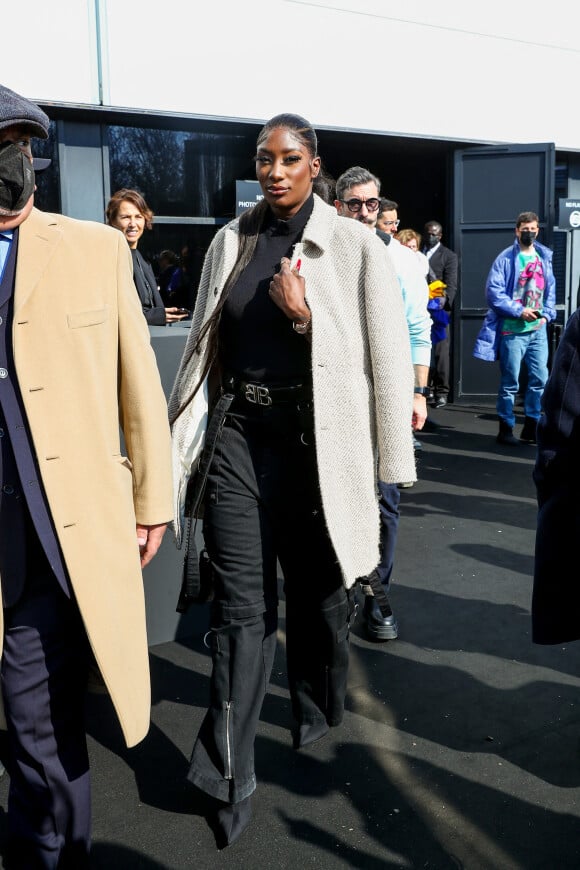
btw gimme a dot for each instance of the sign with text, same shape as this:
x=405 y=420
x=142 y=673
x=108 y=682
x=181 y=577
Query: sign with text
x=569 y=214
x=248 y=193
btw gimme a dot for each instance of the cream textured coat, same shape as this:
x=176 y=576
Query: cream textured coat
x=361 y=371
x=84 y=364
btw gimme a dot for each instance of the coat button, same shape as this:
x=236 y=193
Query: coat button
x=1 y=321
x=8 y=489
x=3 y=373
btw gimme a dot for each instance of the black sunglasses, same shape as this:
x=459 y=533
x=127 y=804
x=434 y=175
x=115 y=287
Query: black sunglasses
x=355 y=205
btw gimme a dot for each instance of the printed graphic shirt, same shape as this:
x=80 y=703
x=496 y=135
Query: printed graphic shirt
x=529 y=291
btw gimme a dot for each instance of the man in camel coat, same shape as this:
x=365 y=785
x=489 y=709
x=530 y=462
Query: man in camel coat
x=78 y=518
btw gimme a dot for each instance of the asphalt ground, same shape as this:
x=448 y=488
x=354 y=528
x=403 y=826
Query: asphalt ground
x=460 y=743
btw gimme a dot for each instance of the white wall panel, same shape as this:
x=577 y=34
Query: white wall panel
x=51 y=53
x=494 y=73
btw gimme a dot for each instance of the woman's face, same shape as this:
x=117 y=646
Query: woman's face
x=412 y=243
x=285 y=171
x=130 y=221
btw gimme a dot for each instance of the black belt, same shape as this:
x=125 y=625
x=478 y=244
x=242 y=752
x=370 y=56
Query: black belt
x=267 y=395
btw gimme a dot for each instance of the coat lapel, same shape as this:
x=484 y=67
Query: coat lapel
x=319 y=228
x=38 y=238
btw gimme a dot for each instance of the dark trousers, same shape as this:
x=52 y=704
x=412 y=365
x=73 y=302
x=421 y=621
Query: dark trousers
x=262 y=505
x=439 y=374
x=389 y=500
x=44 y=676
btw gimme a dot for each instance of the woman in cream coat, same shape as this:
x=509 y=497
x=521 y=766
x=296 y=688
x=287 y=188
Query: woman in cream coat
x=299 y=316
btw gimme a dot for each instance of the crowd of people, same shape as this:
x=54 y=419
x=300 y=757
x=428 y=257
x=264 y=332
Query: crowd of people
x=308 y=367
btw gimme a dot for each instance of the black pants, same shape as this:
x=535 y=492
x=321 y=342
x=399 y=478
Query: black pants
x=440 y=366
x=262 y=505
x=390 y=498
x=44 y=678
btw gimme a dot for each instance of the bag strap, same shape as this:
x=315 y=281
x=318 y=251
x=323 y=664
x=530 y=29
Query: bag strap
x=191 y=575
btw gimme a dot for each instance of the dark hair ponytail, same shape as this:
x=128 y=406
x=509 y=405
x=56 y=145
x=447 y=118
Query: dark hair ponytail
x=250 y=223
x=324 y=186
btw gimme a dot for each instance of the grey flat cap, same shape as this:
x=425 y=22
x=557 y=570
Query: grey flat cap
x=15 y=109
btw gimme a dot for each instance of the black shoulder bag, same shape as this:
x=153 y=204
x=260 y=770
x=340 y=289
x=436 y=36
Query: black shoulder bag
x=196 y=583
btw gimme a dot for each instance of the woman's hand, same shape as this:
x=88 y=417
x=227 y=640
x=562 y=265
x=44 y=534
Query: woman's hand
x=173 y=315
x=287 y=290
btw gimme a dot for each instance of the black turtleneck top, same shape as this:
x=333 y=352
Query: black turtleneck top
x=256 y=339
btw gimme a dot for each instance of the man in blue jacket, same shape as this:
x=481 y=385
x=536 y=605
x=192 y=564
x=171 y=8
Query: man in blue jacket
x=521 y=293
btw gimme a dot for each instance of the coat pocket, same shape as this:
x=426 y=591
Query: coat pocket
x=124 y=461
x=80 y=319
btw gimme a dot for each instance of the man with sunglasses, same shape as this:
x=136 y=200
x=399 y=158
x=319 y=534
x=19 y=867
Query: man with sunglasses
x=358 y=197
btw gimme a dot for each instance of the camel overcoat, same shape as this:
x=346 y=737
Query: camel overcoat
x=86 y=369
x=361 y=372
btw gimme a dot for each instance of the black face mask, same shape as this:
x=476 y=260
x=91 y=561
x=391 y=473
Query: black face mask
x=16 y=179
x=431 y=240
x=527 y=237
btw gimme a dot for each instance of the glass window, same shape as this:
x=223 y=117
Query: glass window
x=188 y=244
x=181 y=173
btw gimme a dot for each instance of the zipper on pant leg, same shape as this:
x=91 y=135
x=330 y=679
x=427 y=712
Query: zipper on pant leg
x=228 y=759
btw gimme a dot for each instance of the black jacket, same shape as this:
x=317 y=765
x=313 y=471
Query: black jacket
x=146 y=284
x=444 y=265
x=556 y=597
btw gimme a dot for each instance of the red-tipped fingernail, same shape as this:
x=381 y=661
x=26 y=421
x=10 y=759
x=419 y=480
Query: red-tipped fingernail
x=298 y=264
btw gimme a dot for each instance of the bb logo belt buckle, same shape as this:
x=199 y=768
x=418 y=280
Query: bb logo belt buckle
x=257 y=395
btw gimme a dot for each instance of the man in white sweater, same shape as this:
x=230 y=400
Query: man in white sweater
x=358 y=197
